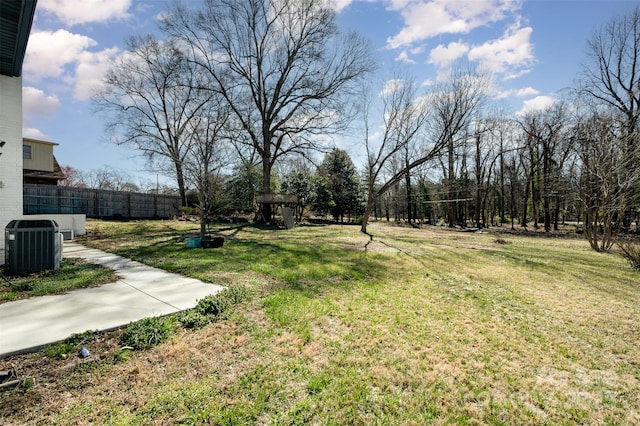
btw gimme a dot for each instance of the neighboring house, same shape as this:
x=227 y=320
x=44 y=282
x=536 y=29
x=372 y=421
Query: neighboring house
x=16 y=17
x=39 y=164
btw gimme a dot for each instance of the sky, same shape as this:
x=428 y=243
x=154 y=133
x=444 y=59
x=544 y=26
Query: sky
x=532 y=49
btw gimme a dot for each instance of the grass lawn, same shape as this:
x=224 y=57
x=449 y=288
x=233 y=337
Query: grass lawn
x=73 y=274
x=423 y=326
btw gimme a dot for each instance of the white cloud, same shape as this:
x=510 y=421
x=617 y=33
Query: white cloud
x=520 y=93
x=339 y=5
x=90 y=71
x=444 y=56
x=33 y=133
x=49 y=52
x=526 y=91
x=65 y=56
x=539 y=103
x=425 y=19
x=390 y=86
x=377 y=135
x=36 y=102
x=404 y=57
x=72 y=12
x=511 y=55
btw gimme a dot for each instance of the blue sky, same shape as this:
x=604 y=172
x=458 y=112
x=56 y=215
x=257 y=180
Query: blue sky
x=531 y=48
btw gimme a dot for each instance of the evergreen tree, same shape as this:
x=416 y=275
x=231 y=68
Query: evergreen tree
x=344 y=183
x=302 y=184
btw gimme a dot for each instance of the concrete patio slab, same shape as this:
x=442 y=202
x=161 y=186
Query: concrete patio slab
x=141 y=292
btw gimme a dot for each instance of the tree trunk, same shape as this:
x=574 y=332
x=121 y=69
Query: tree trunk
x=630 y=190
x=546 y=186
x=203 y=225
x=525 y=205
x=501 y=200
x=547 y=213
x=450 y=183
x=365 y=219
x=265 y=214
x=478 y=182
x=409 y=197
x=181 y=185
x=534 y=202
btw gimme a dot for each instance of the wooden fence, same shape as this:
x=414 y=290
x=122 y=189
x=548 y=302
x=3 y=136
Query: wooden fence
x=98 y=203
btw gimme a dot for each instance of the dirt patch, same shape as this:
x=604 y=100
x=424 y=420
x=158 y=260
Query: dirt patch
x=45 y=380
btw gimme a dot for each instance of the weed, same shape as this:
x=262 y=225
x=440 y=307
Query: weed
x=193 y=319
x=59 y=350
x=148 y=332
x=214 y=305
x=70 y=345
x=27 y=384
x=123 y=355
x=236 y=293
x=318 y=383
x=82 y=338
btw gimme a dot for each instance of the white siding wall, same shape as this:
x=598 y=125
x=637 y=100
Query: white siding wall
x=11 y=158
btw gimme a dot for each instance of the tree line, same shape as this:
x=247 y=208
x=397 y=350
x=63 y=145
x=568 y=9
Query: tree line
x=253 y=98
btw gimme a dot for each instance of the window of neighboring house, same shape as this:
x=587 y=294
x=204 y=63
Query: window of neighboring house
x=26 y=152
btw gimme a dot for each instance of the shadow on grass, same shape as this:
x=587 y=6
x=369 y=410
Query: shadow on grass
x=295 y=264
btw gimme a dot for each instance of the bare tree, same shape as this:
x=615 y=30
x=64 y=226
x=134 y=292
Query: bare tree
x=484 y=160
x=606 y=176
x=207 y=159
x=111 y=179
x=281 y=66
x=429 y=123
x=73 y=178
x=611 y=76
x=549 y=147
x=513 y=172
x=404 y=117
x=150 y=96
x=502 y=130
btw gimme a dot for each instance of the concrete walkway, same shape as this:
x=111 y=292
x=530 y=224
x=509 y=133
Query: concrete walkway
x=141 y=292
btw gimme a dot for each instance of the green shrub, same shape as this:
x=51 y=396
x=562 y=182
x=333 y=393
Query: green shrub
x=148 y=332
x=214 y=305
x=236 y=293
x=193 y=319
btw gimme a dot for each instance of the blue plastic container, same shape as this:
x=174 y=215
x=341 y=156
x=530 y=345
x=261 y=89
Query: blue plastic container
x=193 y=242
